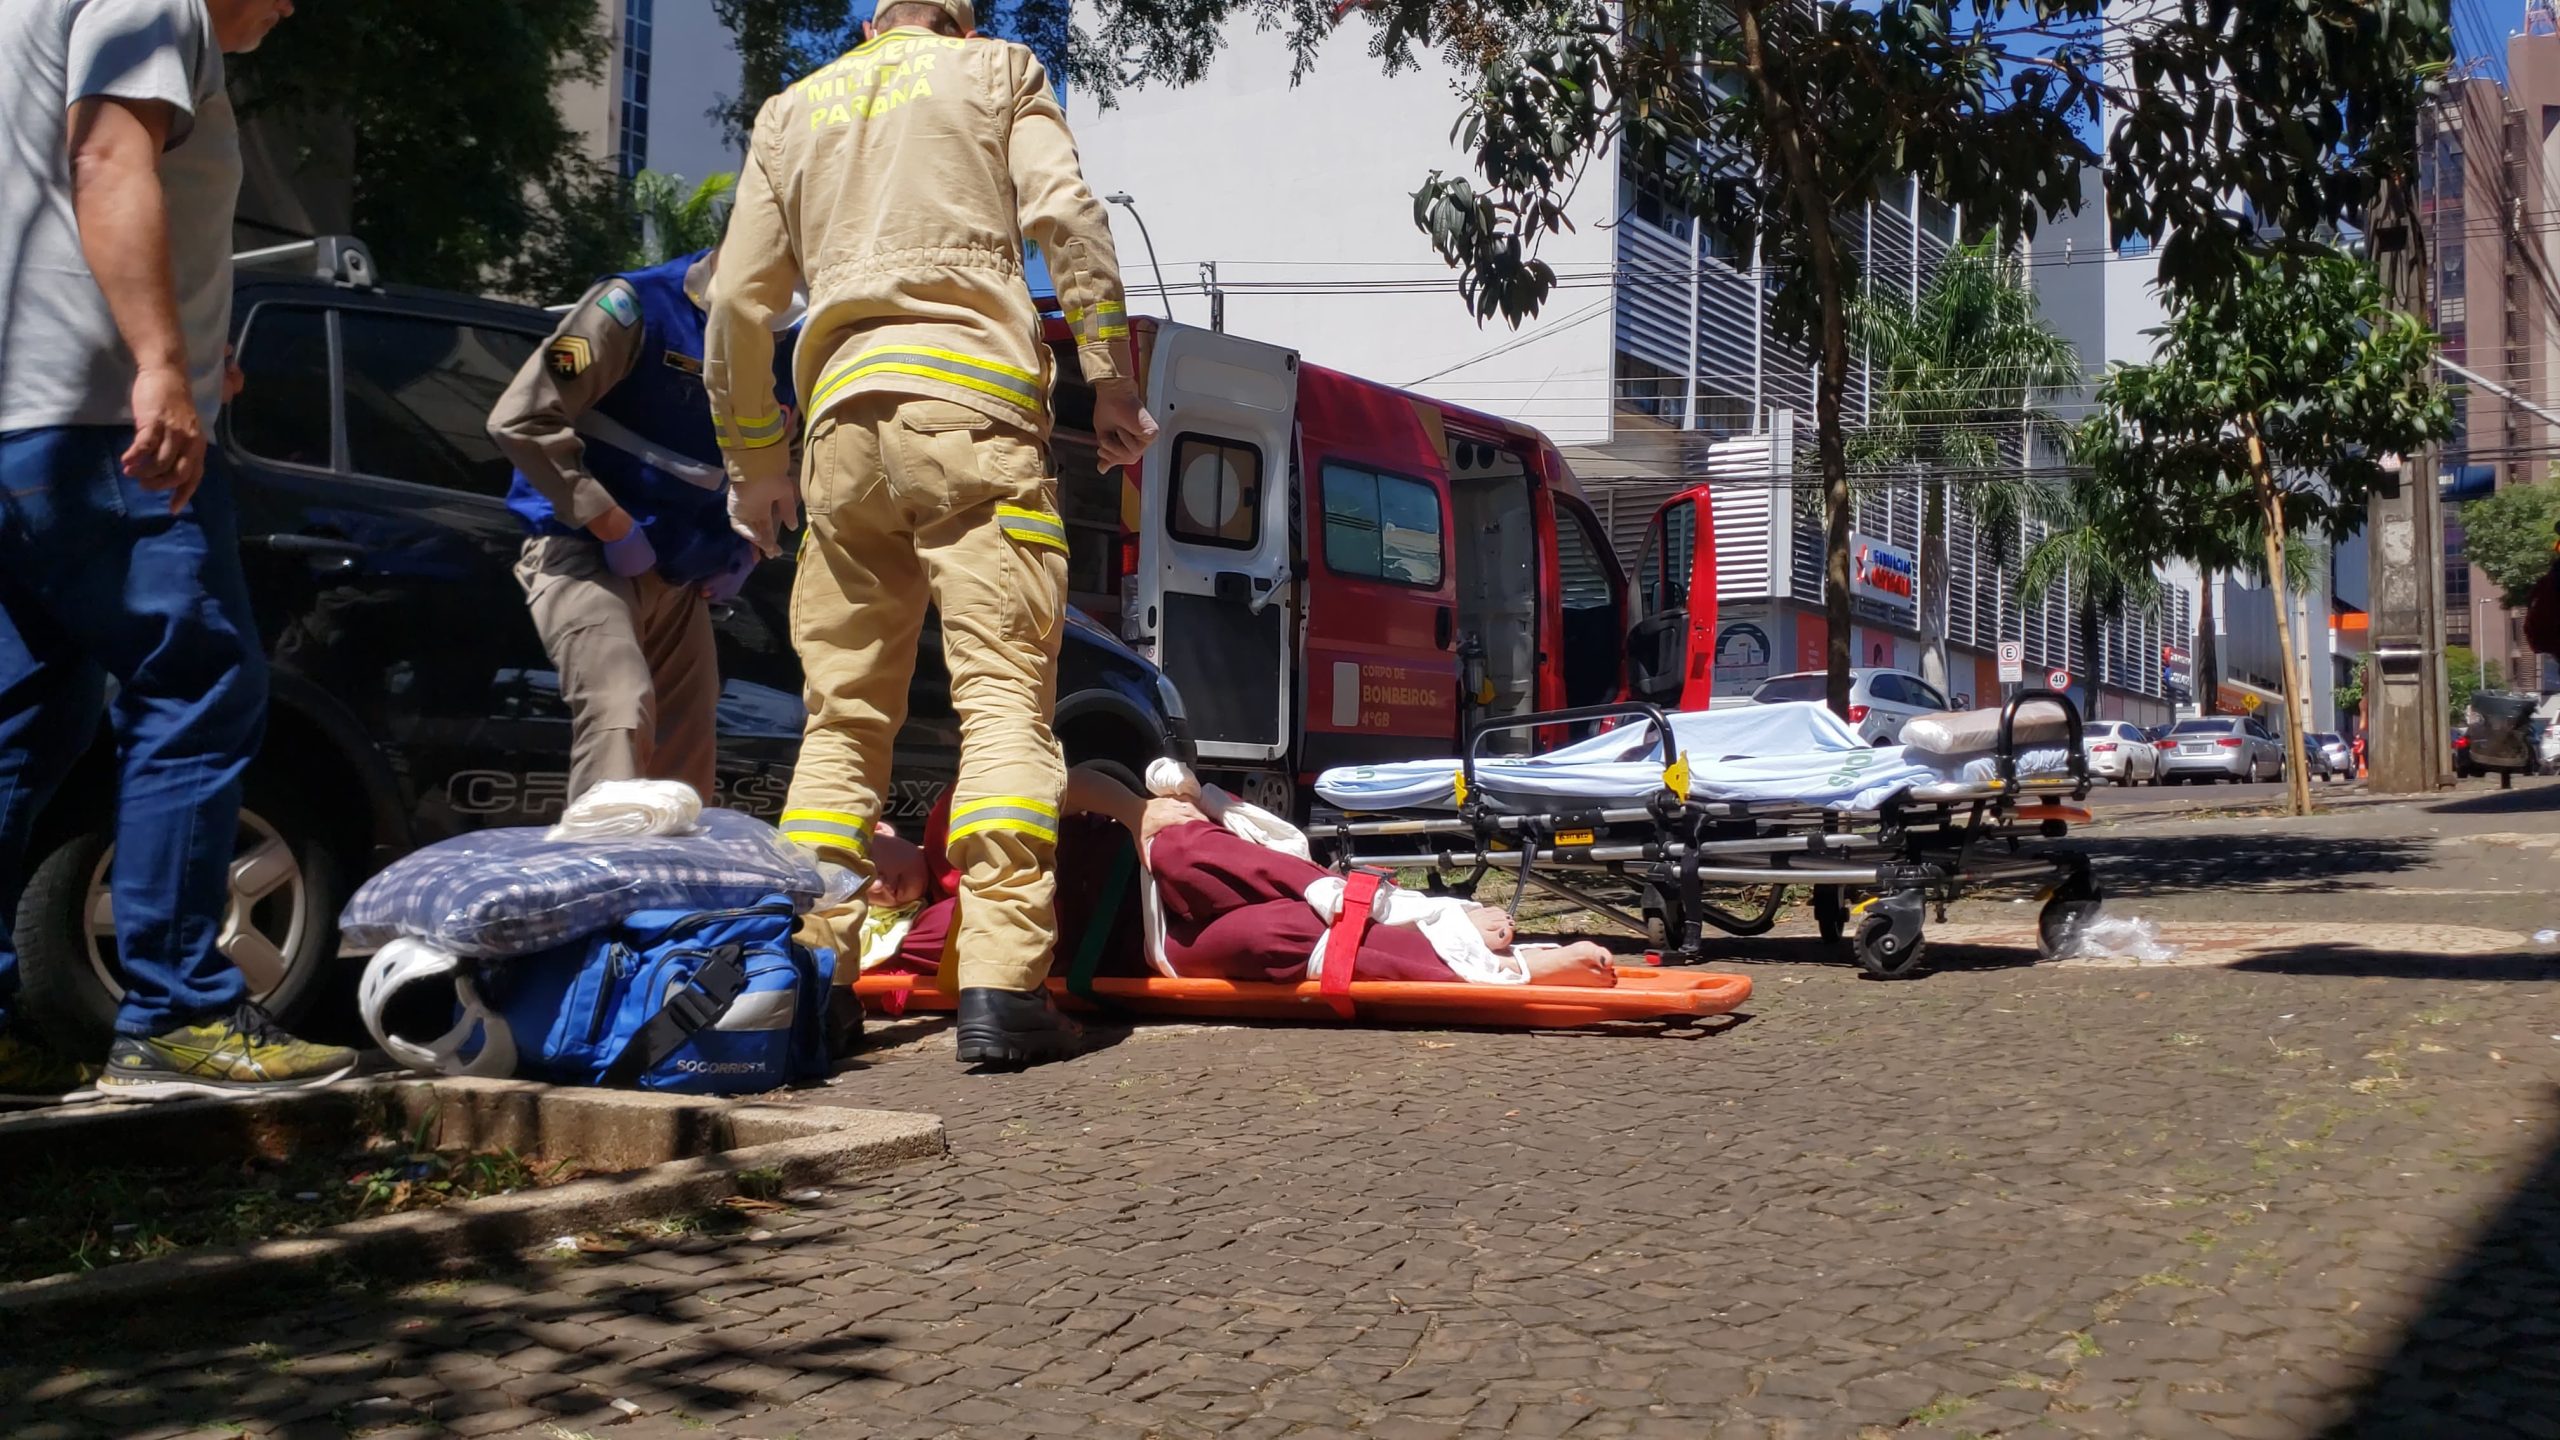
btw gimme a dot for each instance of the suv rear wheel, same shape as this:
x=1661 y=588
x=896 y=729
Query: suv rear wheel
x=279 y=924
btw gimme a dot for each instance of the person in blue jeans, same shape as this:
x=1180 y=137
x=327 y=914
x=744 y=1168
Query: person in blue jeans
x=119 y=544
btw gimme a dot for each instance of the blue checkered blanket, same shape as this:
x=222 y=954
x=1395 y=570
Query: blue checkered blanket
x=494 y=894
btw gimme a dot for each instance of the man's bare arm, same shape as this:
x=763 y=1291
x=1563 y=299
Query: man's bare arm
x=124 y=233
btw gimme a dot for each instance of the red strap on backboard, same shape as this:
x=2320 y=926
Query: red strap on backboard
x=1342 y=940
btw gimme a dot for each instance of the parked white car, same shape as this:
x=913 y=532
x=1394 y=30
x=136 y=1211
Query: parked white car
x=2120 y=753
x=2220 y=747
x=1881 y=702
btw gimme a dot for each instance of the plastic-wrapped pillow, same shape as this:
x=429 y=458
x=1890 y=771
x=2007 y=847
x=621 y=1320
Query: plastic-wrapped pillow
x=1977 y=732
x=496 y=894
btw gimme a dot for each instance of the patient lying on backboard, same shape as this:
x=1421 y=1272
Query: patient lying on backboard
x=1234 y=909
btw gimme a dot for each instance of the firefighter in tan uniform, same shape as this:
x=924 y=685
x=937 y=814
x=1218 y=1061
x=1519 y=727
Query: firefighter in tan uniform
x=896 y=186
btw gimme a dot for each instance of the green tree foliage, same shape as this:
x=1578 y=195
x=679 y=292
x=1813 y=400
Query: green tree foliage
x=2465 y=676
x=1958 y=372
x=2509 y=535
x=2349 y=697
x=466 y=175
x=674 y=221
x=2266 y=411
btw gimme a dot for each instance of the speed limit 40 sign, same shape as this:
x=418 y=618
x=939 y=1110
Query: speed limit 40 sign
x=2057 y=679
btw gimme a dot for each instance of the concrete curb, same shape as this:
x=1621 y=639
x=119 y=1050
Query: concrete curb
x=674 y=1152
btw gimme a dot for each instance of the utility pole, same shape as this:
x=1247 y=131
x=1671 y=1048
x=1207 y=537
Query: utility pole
x=1217 y=297
x=2408 y=744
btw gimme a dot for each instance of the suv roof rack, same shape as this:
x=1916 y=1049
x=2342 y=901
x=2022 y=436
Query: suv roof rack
x=339 y=259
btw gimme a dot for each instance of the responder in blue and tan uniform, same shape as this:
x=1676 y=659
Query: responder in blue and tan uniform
x=897 y=186
x=618 y=478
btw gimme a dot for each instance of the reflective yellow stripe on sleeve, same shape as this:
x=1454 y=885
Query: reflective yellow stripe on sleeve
x=828 y=830
x=1004 y=812
x=750 y=434
x=1107 y=320
x=1031 y=527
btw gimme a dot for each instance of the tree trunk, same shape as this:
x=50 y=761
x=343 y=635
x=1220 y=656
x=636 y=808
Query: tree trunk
x=2208 y=666
x=2297 y=776
x=2089 y=657
x=1834 y=448
x=1813 y=209
x=1933 y=589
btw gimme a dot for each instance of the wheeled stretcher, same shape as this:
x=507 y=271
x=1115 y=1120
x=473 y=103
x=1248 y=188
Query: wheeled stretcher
x=1710 y=816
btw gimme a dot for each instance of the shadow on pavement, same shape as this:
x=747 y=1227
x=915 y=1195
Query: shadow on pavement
x=2523 y=800
x=2483 y=1357
x=529 y=1340
x=2224 y=864
x=2357 y=963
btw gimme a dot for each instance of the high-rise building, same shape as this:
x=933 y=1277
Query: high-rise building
x=671 y=64
x=2489 y=207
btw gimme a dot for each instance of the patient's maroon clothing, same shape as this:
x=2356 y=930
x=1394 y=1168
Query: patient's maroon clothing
x=1235 y=910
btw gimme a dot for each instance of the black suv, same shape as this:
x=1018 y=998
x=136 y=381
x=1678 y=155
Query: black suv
x=412 y=699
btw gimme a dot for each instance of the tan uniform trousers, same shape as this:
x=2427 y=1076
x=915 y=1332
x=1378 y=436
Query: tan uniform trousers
x=924 y=501
x=637 y=665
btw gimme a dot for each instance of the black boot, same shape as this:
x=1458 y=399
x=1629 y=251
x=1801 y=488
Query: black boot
x=1013 y=1028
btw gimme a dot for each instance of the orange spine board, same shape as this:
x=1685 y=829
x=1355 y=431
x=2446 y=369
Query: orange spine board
x=1640 y=994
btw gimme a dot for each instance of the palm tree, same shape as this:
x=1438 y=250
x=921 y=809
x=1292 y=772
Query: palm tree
x=673 y=222
x=1957 y=372
x=2090 y=546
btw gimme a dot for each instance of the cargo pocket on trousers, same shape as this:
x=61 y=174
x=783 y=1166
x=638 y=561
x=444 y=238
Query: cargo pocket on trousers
x=824 y=487
x=955 y=458
x=1036 y=552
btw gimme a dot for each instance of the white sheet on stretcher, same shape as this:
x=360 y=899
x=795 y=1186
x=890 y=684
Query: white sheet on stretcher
x=1794 y=754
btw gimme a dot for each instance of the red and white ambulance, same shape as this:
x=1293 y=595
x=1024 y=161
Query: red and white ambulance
x=1333 y=571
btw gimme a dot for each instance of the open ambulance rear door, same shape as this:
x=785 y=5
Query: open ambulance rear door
x=1209 y=600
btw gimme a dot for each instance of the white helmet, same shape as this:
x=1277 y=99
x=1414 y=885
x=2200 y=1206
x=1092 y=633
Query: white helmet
x=405 y=961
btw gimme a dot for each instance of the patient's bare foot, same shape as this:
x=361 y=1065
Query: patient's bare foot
x=1581 y=963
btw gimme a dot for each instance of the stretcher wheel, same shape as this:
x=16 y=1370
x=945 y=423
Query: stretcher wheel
x=1888 y=944
x=2074 y=904
x=1661 y=920
x=1831 y=912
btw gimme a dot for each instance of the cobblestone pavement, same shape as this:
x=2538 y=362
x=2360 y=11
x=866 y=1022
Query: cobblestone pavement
x=2315 y=1192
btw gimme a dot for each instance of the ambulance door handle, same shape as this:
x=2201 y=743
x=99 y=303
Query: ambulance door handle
x=1444 y=627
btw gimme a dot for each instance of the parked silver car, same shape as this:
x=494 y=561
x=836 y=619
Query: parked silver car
x=1881 y=702
x=2120 y=752
x=2220 y=747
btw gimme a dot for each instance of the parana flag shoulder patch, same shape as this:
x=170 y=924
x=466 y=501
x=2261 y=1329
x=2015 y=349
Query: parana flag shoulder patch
x=617 y=302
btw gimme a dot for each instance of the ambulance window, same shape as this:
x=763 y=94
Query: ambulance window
x=284 y=413
x=1217 y=493
x=1381 y=526
x=419 y=393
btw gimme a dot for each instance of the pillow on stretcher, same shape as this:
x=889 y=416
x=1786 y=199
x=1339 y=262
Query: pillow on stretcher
x=1977 y=732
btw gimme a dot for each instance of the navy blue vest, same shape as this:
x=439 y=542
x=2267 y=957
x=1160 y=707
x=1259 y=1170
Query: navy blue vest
x=662 y=403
